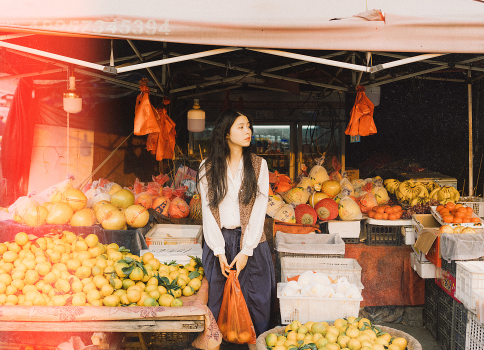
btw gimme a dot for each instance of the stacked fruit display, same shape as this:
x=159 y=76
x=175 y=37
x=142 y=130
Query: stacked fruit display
x=314 y=197
x=451 y=213
x=411 y=192
x=351 y=333
x=386 y=212
x=65 y=269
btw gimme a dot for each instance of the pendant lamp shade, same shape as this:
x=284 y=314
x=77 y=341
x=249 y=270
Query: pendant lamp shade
x=72 y=98
x=196 y=118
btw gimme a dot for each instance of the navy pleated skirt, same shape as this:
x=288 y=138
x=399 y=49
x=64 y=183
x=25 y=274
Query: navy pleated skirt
x=257 y=279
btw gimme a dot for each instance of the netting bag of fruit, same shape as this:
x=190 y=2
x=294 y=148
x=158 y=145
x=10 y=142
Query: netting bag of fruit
x=234 y=319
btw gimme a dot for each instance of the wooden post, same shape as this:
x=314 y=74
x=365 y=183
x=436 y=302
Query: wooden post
x=471 y=153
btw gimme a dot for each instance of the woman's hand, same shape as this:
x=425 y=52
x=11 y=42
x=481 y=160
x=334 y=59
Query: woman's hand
x=224 y=266
x=240 y=261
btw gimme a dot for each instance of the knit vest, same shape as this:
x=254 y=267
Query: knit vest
x=244 y=209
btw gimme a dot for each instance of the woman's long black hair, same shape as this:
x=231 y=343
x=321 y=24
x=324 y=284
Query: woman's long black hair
x=218 y=155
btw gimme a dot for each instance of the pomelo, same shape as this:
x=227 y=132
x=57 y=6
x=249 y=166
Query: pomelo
x=178 y=208
x=59 y=214
x=144 y=199
x=35 y=215
x=161 y=204
x=122 y=198
x=84 y=217
x=114 y=220
x=136 y=216
x=102 y=210
x=75 y=198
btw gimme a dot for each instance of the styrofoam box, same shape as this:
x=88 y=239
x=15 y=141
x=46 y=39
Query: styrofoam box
x=306 y=309
x=180 y=252
x=423 y=269
x=479 y=296
x=469 y=277
x=162 y=234
x=345 y=229
x=410 y=236
x=333 y=267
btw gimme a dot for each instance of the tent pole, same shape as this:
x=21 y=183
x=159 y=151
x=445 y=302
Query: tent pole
x=471 y=155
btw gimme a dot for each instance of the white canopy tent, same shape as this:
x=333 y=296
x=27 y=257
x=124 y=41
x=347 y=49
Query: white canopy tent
x=433 y=27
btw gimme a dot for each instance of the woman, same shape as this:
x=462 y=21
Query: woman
x=234 y=188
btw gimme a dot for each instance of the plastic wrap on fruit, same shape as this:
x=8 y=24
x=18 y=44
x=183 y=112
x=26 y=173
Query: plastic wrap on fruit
x=348 y=209
x=345 y=182
x=161 y=179
x=138 y=186
x=154 y=188
x=191 y=187
x=380 y=193
x=340 y=195
x=366 y=202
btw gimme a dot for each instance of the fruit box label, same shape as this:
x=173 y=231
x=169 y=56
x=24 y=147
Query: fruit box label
x=446 y=281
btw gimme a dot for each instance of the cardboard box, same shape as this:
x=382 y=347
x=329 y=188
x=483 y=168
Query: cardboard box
x=345 y=229
x=421 y=222
x=352 y=174
x=428 y=243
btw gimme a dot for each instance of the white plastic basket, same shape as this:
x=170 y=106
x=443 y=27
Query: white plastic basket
x=469 y=277
x=306 y=309
x=333 y=267
x=180 y=253
x=174 y=234
x=423 y=269
x=479 y=296
x=474 y=333
x=476 y=203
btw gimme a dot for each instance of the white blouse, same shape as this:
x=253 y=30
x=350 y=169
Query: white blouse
x=229 y=211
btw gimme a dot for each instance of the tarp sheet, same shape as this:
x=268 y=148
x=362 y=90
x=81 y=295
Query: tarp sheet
x=438 y=26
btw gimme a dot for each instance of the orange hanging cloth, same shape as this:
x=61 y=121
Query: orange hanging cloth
x=361 y=122
x=144 y=115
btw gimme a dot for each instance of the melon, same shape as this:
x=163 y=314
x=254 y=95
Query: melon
x=316 y=197
x=83 y=217
x=144 y=199
x=96 y=206
x=35 y=216
x=349 y=210
x=196 y=207
x=178 y=209
x=305 y=214
x=326 y=209
x=286 y=214
x=274 y=203
x=331 y=188
x=59 y=214
x=161 y=205
x=114 y=220
x=122 y=198
x=76 y=199
x=296 y=195
x=380 y=194
x=102 y=210
x=306 y=182
x=318 y=174
x=136 y=216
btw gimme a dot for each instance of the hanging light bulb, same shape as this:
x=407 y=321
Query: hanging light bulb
x=72 y=98
x=196 y=118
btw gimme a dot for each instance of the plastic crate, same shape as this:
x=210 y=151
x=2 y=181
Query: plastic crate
x=157 y=340
x=476 y=203
x=431 y=324
x=161 y=234
x=452 y=267
x=459 y=326
x=306 y=309
x=383 y=234
x=444 y=339
x=474 y=333
x=446 y=308
x=470 y=275
x=333 y=267
x=180 y=252
x=431 y=297
x=351 y=240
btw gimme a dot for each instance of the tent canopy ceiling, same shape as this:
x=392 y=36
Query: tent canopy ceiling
x=333 y=43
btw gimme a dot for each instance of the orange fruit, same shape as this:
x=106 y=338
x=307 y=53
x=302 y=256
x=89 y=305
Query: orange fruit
x=378 y=216
x=474 y=219
x=385 y=216
x=457 y=220
x=371 y=214
x=450 y=205
x=392 y=216
x=389 y=210
x=439 y=208
x=447 y=218
x=380 y=210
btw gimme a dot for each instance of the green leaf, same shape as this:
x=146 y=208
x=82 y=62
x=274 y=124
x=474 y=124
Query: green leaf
x=127 y=270
x=122 y=261
x=377 y=328
x=358 y=319
x=300 y=342
x=193 y=274
x=164 y=281
x=363 y=328
x=123 y=249
x=111 y=280
x=128 y=260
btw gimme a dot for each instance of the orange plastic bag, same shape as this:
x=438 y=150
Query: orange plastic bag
x=361 y=122
x=234 y=319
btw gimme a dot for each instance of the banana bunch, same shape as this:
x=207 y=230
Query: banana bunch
x=445 y=194
x=431 y=185
x=391 y=185
x=412 y=193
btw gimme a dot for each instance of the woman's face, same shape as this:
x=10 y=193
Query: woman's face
x=240 y=133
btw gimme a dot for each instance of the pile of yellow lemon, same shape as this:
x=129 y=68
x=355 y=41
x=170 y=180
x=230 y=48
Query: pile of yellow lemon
x=344 y=334
x=66 y=269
